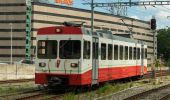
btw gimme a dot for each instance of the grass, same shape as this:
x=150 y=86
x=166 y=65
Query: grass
x=106 y=89
x=12 y=89
x=69 y=96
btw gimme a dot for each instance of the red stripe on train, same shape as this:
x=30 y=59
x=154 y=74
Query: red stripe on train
x=105 y=74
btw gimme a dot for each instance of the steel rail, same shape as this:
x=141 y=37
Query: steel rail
x=134 y=97
x=16 y=81
x=166 y=97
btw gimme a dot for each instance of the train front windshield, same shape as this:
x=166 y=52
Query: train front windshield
x=47 y=49
x=70 y=49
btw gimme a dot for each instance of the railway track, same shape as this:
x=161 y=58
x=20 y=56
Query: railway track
x=16 y=81
x=39 y=95
x=21 y=96
x=46 y=95
x=159 y=93
x=32 y=95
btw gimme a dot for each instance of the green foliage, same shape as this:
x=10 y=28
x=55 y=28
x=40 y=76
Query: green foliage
x=69 y=96
x=167 y=63
x=106 y=88
x=157 y=63
x=163 y=38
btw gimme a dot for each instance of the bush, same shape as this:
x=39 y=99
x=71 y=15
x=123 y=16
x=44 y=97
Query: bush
x=167 y=63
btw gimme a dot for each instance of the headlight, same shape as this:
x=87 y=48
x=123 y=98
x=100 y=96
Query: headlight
x=74 y=65
x=42 y=64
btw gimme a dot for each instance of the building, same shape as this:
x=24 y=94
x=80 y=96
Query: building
x=14 y=12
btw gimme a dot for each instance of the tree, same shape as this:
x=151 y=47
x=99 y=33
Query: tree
x=163 y=38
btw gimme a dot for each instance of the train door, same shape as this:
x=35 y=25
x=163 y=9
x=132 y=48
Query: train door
x=95 y=60
x=142 y=59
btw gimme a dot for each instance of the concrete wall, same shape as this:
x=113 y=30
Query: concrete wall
x=14 y=72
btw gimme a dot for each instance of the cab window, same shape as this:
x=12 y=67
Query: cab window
x=47 y=49
x=70 y=49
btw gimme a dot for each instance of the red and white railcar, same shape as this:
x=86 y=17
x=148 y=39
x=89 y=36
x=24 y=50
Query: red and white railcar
x=74 y=56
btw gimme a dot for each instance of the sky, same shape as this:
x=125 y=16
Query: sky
x=139 y=12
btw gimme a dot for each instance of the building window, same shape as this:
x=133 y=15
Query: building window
x=110 y=51
x=115 y=52
x=103 y=51
x=86 y=52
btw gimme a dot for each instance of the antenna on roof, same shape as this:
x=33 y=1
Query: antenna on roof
x=74 y=23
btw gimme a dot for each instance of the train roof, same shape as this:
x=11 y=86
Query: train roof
x=81 y=30
x=108 y=34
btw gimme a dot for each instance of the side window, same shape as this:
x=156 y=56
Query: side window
x=142 y=53
x=121 y=53
x=103 y=51
x=126 y=52
x=110 y=51
x=130 y=53
x=86 y=52
x=134 y=53
x=95 y=50
x=115 y=52
x=145 y=53
x=138 y=53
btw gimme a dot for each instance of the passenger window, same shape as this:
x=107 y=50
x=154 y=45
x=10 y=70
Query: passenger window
x=103 y=51
x=145 y=53
x=126 y=52
x=86 y=52
x=121 y=53
x=115 y=52
x=95 y=50
x=110 y=51
x=134 y=53
x=130 y=53
x=138 y=53
x=142 y=53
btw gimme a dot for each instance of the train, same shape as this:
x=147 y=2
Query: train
x=72 y=55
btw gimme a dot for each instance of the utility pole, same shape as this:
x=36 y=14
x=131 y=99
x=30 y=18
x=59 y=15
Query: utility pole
x=28 y=29
x=92 y=15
